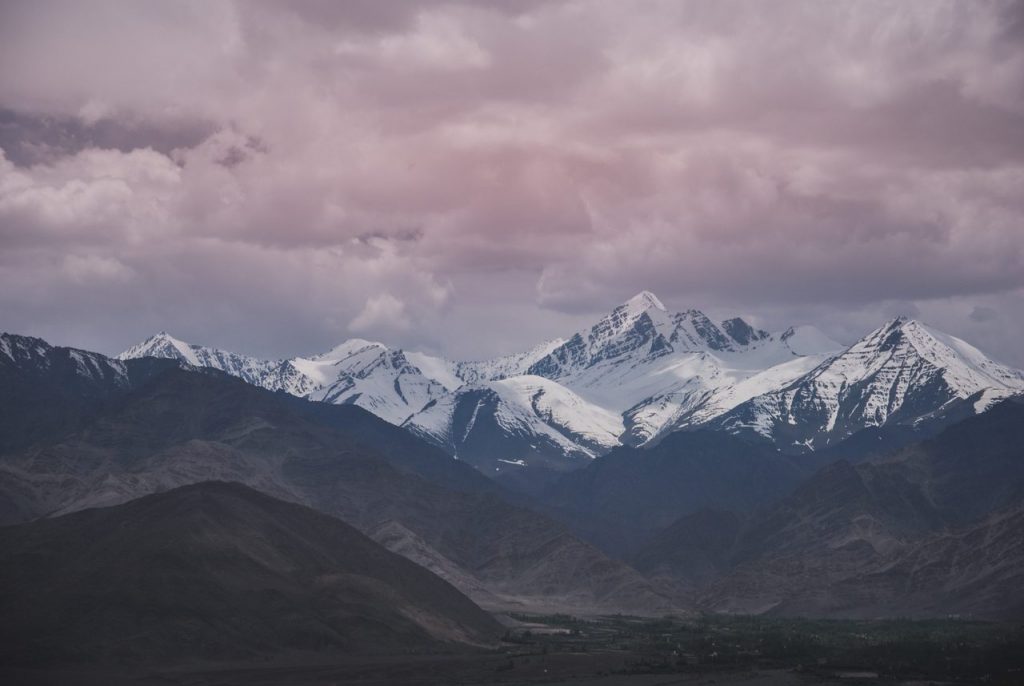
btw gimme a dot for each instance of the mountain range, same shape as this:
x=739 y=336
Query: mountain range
x=638 y=374
x=134 y=434
x=737 y=471
x=685 y=413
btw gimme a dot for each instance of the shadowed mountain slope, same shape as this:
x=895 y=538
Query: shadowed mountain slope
x=216 y=570
x=624 y=496
x=934 y=529
x=47 y=391
x=183 y=427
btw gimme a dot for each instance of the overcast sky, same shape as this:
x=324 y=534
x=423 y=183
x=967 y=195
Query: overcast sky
x=469 y=179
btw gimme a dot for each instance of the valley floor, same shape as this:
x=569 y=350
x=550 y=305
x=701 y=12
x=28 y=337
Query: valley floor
x=626 y=651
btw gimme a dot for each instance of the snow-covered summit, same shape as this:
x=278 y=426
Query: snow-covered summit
x=23 y=349
x=641 y=330
x=965 y=368
x=86 y=371
x=664 y=370
x=163 y=345
x=522 y=420
x=250 y=369
x=643 y=301
x=904 y=354
x=347 y=349
x=899 y=373
x=373 y=376
x=639 y=372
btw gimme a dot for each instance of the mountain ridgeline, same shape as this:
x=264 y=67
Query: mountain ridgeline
x=186 y=502
x=638 y=374
x=187 y=425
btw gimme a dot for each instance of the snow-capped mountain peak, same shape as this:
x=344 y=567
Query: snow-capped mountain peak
x=638 y=328
x=251 y=369
x=899 y=373
x=965 y=368
x=641 y=302
x=903 y=340
x=371 y=375
x=639 y=372
x=19 y=349
x=642 y=330
x=87 y=371
x=663 y=370
x=164 y=345
x=348 y=348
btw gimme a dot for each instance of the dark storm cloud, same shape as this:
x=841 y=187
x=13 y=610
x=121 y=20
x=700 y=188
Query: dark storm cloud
x=376 y=16
x=29 y=139
x=274 y=176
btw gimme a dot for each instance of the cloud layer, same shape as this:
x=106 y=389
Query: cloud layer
x=467 y=178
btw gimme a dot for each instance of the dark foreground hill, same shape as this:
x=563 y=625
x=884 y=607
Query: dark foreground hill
x=216 y=570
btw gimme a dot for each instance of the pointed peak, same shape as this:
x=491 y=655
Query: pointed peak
x=898 y=326
x=350 y=347
x=644 y=300
x=162 y=344
x=162 y=335
x=925 y=339
x=901 y=322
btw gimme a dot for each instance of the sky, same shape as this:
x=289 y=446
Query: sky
x=471 y=178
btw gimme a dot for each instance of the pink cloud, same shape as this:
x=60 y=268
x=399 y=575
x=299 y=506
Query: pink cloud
x=381 y=168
